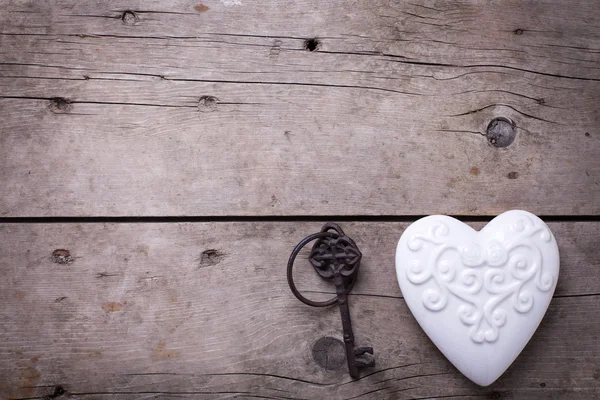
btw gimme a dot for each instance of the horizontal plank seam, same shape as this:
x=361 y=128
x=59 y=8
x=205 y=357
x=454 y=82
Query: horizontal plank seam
x=271 y=218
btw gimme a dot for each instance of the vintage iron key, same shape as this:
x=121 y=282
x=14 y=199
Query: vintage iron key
x=336 y=257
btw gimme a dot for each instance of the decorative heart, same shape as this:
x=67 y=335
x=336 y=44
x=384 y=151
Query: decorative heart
x=479 y=296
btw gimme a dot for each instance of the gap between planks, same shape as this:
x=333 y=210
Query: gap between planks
x=270 y=218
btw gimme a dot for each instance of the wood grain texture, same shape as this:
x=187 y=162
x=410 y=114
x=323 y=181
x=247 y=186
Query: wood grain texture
x=202 y=310
x=216 y=108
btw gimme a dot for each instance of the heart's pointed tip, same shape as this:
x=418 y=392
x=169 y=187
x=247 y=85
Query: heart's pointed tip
x=483 y=382
x=484 y=375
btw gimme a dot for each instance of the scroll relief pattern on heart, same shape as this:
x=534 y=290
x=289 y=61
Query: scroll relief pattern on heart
x=502 y=270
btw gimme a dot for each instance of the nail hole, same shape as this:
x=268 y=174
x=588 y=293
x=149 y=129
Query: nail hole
x=519 y=31
x=329 y=353
x=207 y=103
x=513 y=175
x=311 y=44
x=129 y=18
x=58 y=391
x=62 y=256
x=501 y=132
x=587 y=134
x=60 y=105
x=211 y=257
x=498 y=395
x=543 y=384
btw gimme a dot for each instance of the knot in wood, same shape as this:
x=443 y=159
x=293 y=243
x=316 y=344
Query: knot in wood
x=501 y=132
x=329 y=353
x=60 y=105
x=312 y=44
x=207 y=103
x=129 y=18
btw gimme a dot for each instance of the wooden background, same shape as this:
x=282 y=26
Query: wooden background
x=160 y=159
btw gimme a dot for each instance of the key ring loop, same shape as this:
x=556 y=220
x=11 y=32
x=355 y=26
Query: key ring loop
x=290 y=266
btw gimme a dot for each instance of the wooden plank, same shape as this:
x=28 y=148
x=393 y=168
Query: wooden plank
x=175 y=111
x=202 y=310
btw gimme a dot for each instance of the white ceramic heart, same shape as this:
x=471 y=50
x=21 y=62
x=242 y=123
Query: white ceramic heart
x=479 y=296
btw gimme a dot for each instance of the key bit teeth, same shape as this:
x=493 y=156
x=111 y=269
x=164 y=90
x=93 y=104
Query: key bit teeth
x=359 y=351
x=364 y=362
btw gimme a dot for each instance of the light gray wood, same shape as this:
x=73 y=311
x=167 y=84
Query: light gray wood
x=216 y=108
x=138 y=311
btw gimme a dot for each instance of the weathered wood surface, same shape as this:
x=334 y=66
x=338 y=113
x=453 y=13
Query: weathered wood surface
x=202 y=310
x=216 y=108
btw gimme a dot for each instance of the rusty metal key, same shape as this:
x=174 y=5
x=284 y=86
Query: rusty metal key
x=336 y=257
